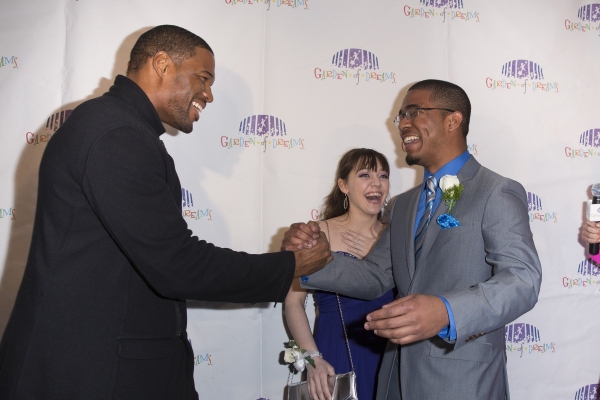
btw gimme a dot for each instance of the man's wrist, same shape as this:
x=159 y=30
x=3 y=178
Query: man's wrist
x=449 y=331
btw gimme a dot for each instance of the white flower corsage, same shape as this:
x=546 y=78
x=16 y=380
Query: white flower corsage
x=451 y=191
x=299 y=357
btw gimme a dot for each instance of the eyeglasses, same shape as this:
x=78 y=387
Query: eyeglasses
x=413 y=113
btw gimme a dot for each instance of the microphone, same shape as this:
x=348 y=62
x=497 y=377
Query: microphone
x=593 y=214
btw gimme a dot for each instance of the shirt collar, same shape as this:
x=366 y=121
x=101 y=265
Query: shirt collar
x=135 y=97
x=450 y=168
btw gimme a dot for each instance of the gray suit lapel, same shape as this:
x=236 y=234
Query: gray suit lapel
x=409 y=232
x=468 y=170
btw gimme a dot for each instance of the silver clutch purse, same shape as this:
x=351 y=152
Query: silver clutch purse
x=344 y=388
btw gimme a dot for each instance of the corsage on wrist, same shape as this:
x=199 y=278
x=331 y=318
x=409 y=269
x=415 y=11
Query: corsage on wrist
x=298 y=356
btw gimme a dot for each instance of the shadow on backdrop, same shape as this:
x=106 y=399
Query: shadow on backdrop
x=27 y=172
x=26 y=185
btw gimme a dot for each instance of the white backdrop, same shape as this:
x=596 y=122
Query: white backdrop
x=531 y=69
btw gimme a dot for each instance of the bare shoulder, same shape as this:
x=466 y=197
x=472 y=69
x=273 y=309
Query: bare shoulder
x=330 y=227
x=324 y=228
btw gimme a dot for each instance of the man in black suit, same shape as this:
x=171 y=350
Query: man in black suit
x=101 y=310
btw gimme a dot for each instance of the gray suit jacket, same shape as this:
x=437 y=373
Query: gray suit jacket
x=487 y=269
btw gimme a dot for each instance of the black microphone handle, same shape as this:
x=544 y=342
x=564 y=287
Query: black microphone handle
x=595 y=247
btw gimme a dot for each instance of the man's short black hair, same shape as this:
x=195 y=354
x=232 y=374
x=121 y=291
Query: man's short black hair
x=180 y=44
x=448 y=95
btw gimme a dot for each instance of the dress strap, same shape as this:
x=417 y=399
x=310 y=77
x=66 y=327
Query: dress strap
x=328 y=234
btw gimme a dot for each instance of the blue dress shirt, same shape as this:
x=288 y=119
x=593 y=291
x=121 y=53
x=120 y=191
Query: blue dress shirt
x=451 y=168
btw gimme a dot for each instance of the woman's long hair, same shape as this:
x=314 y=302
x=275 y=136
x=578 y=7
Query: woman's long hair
x=353 y=160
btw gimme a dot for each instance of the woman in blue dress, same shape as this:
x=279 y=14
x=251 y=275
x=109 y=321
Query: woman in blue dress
x=351 y=219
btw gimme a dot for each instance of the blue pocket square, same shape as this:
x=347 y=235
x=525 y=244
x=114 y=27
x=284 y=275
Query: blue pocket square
x=446 y=221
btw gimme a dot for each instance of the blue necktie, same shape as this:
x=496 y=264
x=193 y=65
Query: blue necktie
x=420 y=236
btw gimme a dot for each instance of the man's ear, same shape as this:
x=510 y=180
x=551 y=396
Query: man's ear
x=453 y=121
x=162 y=63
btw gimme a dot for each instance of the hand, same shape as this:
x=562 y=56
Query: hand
x=309 y=261
x=317 y=379
x=358 y=244
x=409 y=319
x=301 y=236
x=590 y=232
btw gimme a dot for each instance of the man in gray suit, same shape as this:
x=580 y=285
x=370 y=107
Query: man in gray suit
x=457 y=285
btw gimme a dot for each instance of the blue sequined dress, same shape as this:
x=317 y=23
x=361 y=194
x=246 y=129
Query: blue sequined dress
x=366 y=347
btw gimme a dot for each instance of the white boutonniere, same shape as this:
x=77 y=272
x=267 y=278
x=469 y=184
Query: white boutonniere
x=451 y=190
x=298 y=356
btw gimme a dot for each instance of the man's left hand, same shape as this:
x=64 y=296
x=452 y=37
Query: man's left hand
x=590 y=232
x=409 y=319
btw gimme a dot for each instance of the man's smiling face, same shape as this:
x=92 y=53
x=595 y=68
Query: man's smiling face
x=190 y=90
x=423 y=137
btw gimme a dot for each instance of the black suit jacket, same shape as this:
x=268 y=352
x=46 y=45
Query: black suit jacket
x=101 y=312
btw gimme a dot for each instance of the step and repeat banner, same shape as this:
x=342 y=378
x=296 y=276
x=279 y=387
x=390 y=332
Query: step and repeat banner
x=300 y=82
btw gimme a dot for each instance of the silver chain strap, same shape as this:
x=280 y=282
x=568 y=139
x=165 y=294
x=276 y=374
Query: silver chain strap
x=345 y=335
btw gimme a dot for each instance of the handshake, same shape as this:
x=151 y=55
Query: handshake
x=310 y=246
